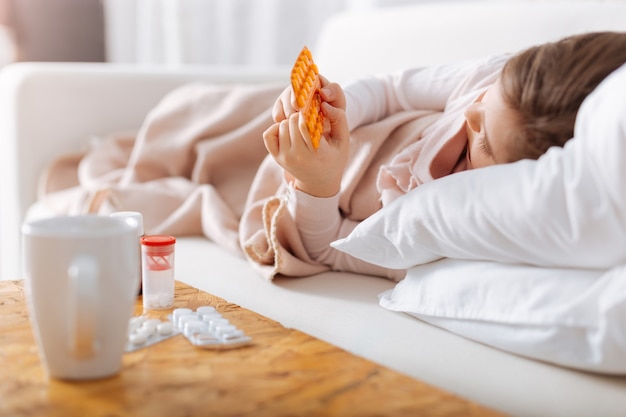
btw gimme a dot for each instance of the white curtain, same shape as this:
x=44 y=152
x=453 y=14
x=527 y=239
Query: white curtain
x=261 y=33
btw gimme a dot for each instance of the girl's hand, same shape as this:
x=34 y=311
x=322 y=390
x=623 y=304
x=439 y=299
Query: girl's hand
x=285 y=105
x=317 y=172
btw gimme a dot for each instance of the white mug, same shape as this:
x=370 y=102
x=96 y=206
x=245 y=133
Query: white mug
x=81 y=279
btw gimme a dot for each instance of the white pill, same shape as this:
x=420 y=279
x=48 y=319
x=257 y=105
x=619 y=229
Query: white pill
x=235 y=335
x=211 y=316
x=205 y=310
x=134 y=323
x=193 y=327
x=138 y=338
x=217 y=322
x=165 y=328
x=151 y=324
x=203 y=339
x=224 y=328
x=136 y=320
x=182 y=320
x=179 y=312
x=165 y=299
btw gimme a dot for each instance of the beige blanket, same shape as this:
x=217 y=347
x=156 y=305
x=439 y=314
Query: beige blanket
x=198 y=166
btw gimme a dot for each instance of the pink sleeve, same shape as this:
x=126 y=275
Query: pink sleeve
x=319 y=222
x=429 y=88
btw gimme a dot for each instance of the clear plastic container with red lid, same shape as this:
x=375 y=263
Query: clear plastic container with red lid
x=157 y=256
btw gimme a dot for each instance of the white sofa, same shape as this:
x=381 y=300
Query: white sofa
x=50 y=109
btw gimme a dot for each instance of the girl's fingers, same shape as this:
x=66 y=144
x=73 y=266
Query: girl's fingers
x=284 y=106
x=298 y=124
x=284 y=137
x=332 y=93
x=270 y=139
x=278 y=112
x=337 y=119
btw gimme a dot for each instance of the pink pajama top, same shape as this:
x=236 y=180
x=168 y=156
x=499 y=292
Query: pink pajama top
x=448 y=89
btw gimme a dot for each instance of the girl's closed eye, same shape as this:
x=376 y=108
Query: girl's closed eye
x=483 y=145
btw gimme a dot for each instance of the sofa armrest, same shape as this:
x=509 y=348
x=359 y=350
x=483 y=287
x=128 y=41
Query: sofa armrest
x=49 y=109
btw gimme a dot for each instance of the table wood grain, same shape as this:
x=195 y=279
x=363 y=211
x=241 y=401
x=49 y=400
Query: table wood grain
x=284 y=372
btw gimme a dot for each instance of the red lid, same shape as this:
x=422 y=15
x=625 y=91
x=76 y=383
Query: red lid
x=158 y=240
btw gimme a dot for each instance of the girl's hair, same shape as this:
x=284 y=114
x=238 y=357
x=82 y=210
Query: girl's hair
x=546 y=84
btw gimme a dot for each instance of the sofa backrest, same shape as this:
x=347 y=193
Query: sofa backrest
x=360 y=43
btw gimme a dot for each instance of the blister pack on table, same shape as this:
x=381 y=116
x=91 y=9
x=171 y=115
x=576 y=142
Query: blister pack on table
x=204 y=328
x=144 y=332
x=207 y=328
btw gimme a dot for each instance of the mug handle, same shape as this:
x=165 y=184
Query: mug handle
x=82 y=305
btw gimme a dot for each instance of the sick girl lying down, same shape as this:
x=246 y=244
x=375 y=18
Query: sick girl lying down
x=199 y=164
x=496 y=111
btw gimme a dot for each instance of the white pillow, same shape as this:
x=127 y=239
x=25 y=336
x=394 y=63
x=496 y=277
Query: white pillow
x=570 y=317
x=567 y=209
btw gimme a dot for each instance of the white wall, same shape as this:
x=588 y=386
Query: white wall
x=262 y=33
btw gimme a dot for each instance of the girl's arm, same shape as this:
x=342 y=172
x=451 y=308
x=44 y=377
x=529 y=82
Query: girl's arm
x=373 y=98
x=319 y=220
x=319 y=223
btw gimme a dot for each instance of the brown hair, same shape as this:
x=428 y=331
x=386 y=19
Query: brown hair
x=546 y=84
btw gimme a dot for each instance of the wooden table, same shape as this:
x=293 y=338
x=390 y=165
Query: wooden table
x=283 y=373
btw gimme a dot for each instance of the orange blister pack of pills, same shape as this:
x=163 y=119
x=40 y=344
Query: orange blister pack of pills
x=305 y=82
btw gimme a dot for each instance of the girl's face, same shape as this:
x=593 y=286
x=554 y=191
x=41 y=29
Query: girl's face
x=489 y=122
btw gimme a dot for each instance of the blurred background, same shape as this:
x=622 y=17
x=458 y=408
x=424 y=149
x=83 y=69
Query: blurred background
x=168 y=32
x=261 y=33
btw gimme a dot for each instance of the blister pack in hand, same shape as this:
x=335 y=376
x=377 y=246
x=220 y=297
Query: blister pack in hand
x=305 y=83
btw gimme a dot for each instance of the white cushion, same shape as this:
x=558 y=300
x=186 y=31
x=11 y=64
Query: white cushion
x=567 y=209
x=570 y=317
